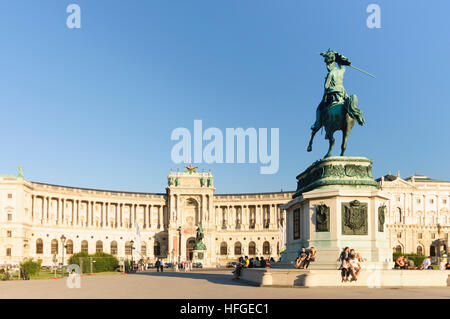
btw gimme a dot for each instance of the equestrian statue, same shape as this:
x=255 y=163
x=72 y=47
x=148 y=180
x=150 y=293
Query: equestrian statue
x=337 y=111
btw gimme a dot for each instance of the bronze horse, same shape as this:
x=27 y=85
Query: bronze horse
x=338 y=117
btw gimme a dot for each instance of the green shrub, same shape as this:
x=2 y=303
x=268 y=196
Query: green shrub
x=101 y=262
x=31 y=267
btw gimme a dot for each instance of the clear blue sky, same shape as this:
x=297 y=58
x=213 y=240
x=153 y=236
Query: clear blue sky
x=95 y=107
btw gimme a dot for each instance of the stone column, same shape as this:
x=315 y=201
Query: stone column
x=273 y=221
x=102 y=215
x=145 y=215
x=43 y=210
x=87 y=213
x=72 y=212
x=160 y=221
x=58 y=211
x=107 y=214
x=120 y=214
x=48 y=210
x=116 y=215
x=150 y=217
x=78 y=212
x=32 y=207
x=63 y=210
x=259 y=216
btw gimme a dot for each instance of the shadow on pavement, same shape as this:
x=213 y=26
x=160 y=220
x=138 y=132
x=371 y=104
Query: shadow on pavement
x=221 y=279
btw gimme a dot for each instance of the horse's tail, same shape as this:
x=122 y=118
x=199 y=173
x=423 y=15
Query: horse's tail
x=351 y=107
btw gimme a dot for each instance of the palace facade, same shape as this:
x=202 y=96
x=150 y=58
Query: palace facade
x=34 y=216
x=418 y=219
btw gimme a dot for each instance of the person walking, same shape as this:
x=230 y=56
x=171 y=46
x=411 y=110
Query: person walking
x=157 y=264
x=161 y=265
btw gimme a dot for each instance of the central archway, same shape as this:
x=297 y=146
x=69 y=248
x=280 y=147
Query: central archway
x=190 y=243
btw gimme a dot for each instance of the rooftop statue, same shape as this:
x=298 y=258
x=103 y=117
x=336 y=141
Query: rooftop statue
x=19 y=171
x=190 y=168
x=337 y=111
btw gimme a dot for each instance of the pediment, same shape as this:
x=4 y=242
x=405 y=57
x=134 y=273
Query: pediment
x=398 y=183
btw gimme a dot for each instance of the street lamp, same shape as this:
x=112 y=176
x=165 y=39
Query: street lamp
x=63 y=240
x=132 y=263
x=179 y=244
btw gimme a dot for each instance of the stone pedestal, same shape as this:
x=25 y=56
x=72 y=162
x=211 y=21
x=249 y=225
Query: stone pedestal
x=199 y=256
x=337 y=204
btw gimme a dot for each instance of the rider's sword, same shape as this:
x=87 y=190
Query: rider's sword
x=362 y=71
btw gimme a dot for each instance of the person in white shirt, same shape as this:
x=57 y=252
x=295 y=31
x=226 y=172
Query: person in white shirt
x=443 y=262
x=355 y=268
x=426 y=264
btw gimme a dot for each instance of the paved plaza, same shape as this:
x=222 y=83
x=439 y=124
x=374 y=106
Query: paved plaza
x=195 y=285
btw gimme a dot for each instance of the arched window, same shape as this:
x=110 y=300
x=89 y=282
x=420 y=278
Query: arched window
x=398 y=249
x=69 y=247
x=266 y=248
x=157 y=249
x=252 y=248
x=128 y=248
x=8 y=252
x=113 y=247
x=419 y=250
x=144 y=249
x=99 y=246
x=39 y=246
x=54 y=247
x=432 y=251
x=237 y=248
x=398 y=215
x=223 y=248
x=84 y=246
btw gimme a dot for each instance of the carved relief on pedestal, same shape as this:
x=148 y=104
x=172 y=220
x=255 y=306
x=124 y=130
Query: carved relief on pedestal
x=354 y=218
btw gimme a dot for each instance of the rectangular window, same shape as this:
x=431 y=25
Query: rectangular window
x=433 y=236
x=8 y=233
x=399 y=235
x=297 y=223
x=419 y=235
x=9 y=195
x=9 y=217
x=418 y=201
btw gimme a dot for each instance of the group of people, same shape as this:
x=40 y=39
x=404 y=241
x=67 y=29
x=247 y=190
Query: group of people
x=305 y=257
x=350 y=264
x=159 y=265
x=403 y=263
x=257 y=262
x=186 y=266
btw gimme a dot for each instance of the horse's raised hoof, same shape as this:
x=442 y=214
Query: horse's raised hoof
x=309 y=149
